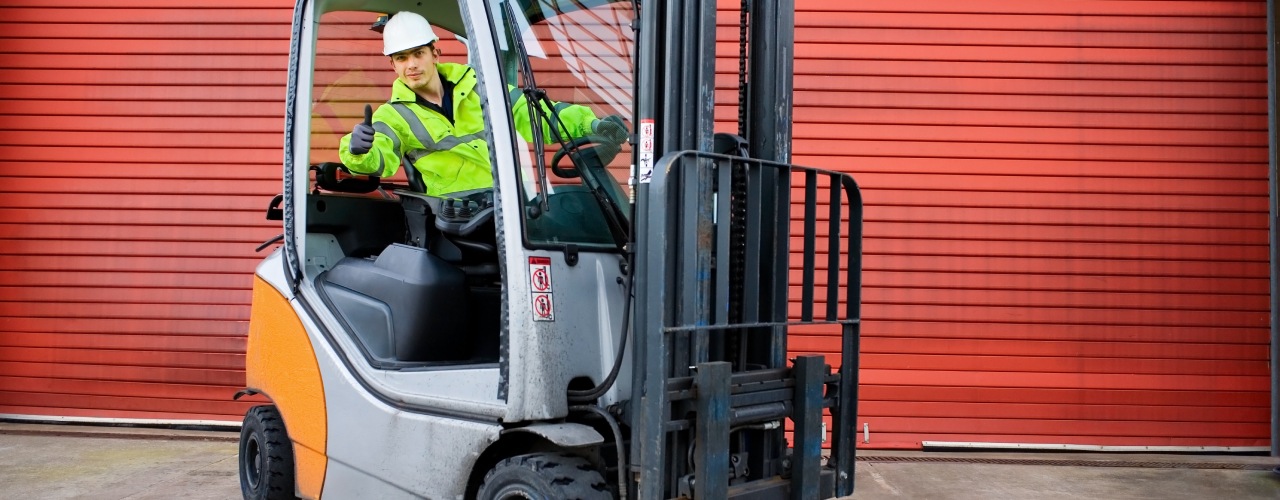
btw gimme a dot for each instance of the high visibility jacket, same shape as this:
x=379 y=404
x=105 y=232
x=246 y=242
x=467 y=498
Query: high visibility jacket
x=453 y=156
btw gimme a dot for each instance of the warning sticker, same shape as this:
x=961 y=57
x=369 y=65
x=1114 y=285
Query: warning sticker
x=543 y=307
x=540 y=274
x=646 y=151
x=540 y=286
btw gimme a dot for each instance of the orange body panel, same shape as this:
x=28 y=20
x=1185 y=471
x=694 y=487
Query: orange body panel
x=282 y=364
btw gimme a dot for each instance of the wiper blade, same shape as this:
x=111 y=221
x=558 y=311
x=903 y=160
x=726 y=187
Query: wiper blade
x=533 y=96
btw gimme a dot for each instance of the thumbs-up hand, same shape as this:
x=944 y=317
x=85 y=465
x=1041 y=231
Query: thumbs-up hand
x=362 y=134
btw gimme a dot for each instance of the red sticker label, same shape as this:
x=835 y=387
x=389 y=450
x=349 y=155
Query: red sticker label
x=540 y=284
x=543 y=307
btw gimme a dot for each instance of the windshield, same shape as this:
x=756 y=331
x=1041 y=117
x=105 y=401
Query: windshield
x=579 y=65
x=579 y=56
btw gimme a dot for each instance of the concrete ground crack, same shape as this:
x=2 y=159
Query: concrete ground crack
x=879 y=479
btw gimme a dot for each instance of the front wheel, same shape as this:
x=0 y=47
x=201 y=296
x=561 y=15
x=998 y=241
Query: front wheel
x=266 y=456
x=544 y=476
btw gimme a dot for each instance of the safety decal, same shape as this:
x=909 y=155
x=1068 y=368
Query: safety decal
x=540 y=286
x=646 y=151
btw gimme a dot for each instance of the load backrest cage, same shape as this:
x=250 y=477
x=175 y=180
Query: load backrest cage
x=713 y=314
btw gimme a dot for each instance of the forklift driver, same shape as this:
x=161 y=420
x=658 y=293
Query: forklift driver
x=434 y=119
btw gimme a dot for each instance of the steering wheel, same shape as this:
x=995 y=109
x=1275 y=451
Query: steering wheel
x=595 y=145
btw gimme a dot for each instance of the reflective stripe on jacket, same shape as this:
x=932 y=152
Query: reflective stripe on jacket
x=453 y=156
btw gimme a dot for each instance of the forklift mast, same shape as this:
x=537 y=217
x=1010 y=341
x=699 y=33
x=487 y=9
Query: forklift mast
x=714 y=226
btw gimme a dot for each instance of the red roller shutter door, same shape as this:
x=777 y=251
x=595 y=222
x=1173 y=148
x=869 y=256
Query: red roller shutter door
x=141 y=142
x=1066 y=234
x=1066 y=215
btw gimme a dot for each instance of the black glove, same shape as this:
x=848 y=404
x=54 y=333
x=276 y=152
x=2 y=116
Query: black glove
x=362 y=134
x=611 y=128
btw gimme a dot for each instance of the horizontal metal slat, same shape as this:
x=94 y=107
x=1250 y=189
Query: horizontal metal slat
x=1063 y=282
x=1027 y=298
x=127 y=232
x=124 y=357
x=888 y=66
x=1087 y=349
x=1054 y=315
x=136 y=404
x=84 y=202
x=1014 y=118
x=173 y=343
x=125 y=293
x=206 y=312
x=987 y=185
x=161 y=375
x=1127 y=218
x=280 y=14
x=1157 y=415
x=1208 y=430
x=1017 y=366
x=1169 y=397
x=171 y=280
x=1186 y=199
x=1072 y=381
x=117 y=388
x=142 y=108
x=244 y=264
x=241 y=187
x=1077 y=137
x=164 y=218
x=1085 y=8
x=1026 y=330
x=133 y=326
x=148 y=154
x=1012 y=265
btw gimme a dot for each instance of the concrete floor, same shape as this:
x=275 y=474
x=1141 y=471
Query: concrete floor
x=1089 y=476
x=63 y=462
x=40 y=462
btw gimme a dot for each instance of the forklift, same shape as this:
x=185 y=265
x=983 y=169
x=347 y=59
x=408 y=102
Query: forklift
x=605 y=321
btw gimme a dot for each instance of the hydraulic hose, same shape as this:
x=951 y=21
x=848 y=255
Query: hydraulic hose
x=588 y=395
x=617 y=438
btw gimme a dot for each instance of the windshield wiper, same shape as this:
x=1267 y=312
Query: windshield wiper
x=533 y=96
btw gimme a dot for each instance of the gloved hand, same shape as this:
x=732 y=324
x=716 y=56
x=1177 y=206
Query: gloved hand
x=362 y=134
x=612 y=128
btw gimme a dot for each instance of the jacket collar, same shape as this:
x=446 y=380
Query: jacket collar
x=462 y=76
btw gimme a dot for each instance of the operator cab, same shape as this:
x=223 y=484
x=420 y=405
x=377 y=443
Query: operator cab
x=418 y=280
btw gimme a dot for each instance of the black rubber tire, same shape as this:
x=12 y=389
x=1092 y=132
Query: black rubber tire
x=544 y=476
x=266 y=456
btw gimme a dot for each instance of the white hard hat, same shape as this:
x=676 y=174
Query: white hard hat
x=406 y=30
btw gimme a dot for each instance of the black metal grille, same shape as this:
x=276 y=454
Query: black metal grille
x=1066 y=462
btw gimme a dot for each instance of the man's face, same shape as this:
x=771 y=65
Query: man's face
x=416 y=67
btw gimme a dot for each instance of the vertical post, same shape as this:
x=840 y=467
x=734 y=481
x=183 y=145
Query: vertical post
x=711 y=446
x=1273 y=159
x=649 y=450
x=648 y=453
x=810 y=244
x=771 y=63
x=806 y=458
x=833 y=248
x=844 y=416
x=771 y=66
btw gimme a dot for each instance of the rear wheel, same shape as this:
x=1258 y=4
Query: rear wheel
x=544 y=476
x=266 y=456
